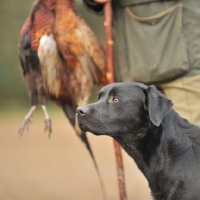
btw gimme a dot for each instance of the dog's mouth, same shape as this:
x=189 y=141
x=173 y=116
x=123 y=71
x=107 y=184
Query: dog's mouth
x=82 y=123
x=85 y=126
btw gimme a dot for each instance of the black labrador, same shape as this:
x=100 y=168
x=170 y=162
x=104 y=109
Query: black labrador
x=165 y=147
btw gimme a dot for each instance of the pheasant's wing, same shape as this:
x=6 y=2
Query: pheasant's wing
x=92 y=58
x=29 y=61
x=24 y=44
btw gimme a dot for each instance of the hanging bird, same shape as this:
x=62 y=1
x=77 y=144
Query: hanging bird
x=61 y=60
x=39 y=23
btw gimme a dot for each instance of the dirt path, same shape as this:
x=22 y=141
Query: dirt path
x=35 y=167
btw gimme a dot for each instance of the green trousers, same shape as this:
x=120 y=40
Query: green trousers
x=185 y=94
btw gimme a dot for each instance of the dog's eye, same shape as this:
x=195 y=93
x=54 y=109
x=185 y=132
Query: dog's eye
x=115 y=100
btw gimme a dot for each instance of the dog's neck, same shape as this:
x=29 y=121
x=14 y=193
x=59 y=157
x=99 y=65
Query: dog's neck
x=142 y=146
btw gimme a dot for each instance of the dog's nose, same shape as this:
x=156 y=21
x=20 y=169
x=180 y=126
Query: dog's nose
x=82 y=110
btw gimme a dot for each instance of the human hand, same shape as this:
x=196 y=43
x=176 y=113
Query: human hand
x=101 y=1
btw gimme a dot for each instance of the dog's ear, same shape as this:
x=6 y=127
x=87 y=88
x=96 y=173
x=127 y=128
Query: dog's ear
x=157 y=105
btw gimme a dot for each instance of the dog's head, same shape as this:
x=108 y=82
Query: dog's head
x=124 y=108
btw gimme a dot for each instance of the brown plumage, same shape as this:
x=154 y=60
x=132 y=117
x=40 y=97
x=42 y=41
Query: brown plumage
x=39 y=23
x=61 y=60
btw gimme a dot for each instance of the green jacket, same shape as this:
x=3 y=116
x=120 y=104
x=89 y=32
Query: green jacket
x=155 y=41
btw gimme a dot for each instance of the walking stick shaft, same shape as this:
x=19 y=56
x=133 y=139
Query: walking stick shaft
x=110 y=79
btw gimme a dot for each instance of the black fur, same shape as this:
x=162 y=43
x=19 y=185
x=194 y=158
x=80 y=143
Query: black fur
x=165 y=146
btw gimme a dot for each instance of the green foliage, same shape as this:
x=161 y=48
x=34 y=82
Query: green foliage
x=12 y=16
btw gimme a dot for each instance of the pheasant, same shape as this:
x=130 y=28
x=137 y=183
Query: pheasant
x=61 y=61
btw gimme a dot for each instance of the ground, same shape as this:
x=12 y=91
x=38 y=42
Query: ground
x=36 y=167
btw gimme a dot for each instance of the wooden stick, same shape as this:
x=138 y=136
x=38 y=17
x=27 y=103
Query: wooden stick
x=111 y=79
x=109 y=43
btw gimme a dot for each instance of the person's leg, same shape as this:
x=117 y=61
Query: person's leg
x=185 y=94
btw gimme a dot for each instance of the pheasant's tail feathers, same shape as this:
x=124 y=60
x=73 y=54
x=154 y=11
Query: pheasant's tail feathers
x=69 y=111
x=83 y=137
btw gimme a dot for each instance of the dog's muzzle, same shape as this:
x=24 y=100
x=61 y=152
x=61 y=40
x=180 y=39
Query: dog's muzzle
x=82 y=111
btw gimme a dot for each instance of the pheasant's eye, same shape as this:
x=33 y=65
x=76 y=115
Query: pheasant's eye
x=115 y=100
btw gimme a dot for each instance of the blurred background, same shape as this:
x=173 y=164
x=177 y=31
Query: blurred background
x=35 y=166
